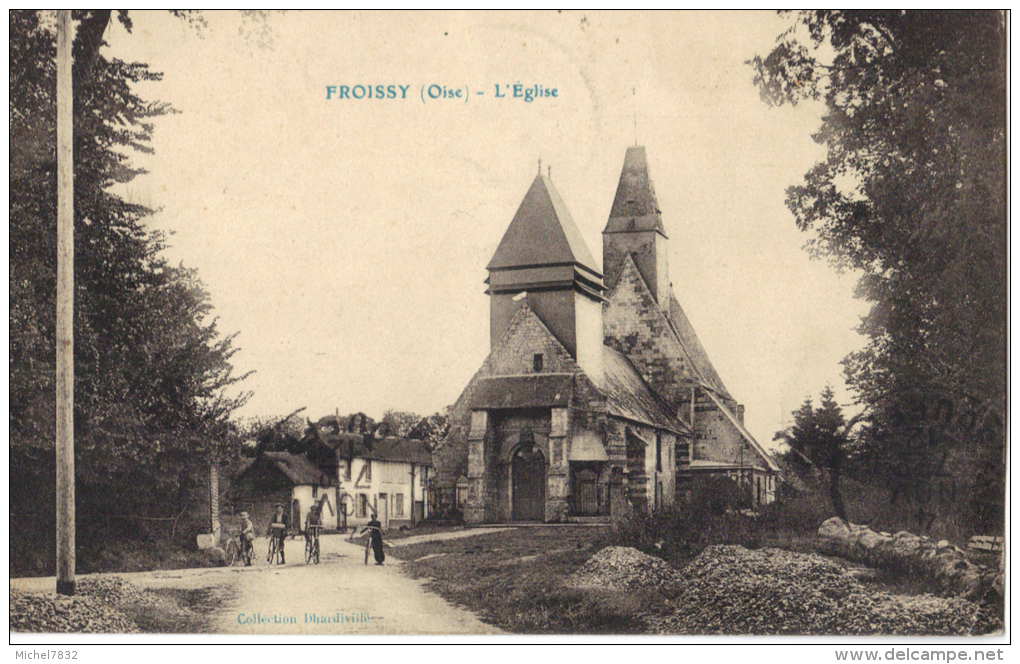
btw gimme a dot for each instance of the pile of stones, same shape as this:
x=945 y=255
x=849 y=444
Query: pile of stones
x=733 y=590
x=625 y=568
x=43 y=612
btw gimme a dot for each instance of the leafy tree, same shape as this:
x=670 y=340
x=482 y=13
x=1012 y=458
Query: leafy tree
x=154 y=388
x=912 y=196
x=432 y=429
x=399 y=421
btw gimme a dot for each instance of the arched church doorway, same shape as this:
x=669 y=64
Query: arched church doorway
x=528 y=469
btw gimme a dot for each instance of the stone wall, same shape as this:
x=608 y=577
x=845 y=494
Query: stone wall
x=635 y=325
x=513 y=354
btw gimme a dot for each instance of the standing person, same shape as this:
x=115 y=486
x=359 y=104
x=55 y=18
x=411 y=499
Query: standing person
x=247 y=537
x=278 y=528
x=374 y=530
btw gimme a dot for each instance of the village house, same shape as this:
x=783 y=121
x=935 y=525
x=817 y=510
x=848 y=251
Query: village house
x=380 y=475
x=291 y=480
x=596 y=397
x=351 y=476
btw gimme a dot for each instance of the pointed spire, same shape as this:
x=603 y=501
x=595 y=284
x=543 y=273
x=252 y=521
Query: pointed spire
x=543 y=233
x=635 y=207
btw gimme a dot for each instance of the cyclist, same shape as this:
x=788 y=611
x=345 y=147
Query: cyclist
x=314 y=518
x=247 y=537
x=280 y=531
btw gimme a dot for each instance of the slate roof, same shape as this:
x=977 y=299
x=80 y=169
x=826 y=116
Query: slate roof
x=297 y=468
x=390 y=448
x=695 y=351
x=635 y=207
x=546 y=390
x=766 y=457
x=628 y=395
x=542 y=233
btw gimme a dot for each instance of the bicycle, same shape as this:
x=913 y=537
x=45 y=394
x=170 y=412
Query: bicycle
x=368 y=542
x=312 y=544
x=274 y=543
x=239 y=549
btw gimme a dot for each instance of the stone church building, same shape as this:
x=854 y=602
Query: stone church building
x=597 y=397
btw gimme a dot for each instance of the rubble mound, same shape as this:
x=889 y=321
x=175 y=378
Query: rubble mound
x=42 y=612
x=114 y=591
x=732 y=590
x=624 y=568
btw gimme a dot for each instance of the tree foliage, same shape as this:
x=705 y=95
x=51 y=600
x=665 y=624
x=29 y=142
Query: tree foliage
x=154 y=387
x=820 y=435
x=912 y=195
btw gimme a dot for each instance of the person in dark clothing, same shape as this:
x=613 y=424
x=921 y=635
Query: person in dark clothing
x=374 y=530
x=278 y=529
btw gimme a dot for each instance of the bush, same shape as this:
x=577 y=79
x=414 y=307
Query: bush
x=678 y=533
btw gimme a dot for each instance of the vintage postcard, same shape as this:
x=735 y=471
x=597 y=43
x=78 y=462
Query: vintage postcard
x=682 y=325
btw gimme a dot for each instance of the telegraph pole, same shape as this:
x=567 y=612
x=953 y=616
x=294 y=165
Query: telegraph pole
x=65 y=309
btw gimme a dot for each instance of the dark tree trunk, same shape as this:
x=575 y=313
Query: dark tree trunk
x=834 y=492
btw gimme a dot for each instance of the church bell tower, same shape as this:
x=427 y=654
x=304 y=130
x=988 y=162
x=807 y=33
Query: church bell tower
x=543 y=260
x=635 y=228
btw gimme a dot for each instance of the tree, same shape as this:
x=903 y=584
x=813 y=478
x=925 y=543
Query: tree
x=821 y=435
x=432 y=429
x=400 y=422
x=912 y=196
x=154 y=386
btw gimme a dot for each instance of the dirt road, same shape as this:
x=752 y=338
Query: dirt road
x=341 y=595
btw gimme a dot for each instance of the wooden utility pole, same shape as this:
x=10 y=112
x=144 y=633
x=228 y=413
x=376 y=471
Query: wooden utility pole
x=65 y=309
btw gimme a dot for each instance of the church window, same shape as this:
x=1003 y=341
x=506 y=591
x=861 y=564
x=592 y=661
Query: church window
x=658 y=451
x=537 y=362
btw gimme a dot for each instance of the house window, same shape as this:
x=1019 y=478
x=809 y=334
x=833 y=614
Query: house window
x=315 y=491
x=345 y=469
x=368 y=470
x=362 y=505
x=398 y=505
x=537 y=362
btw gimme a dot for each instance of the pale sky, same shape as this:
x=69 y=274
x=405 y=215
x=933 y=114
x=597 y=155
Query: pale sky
x=346 y=239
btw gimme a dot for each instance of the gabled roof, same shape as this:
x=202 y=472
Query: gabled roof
x=766 y=457
x=390 y=448
x=635 y=207
x=297 y=468
x=628 y=395
x=532 y=390
x=692 y=346
x=542 y=233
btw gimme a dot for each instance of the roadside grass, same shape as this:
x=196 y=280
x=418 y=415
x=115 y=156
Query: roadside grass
x=417 y=529
x=516 y=580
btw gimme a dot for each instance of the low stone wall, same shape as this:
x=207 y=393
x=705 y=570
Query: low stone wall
x=947 y=565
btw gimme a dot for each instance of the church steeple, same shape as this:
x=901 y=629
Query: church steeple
x=543 y=234
x=543 y=258
x=635 y=228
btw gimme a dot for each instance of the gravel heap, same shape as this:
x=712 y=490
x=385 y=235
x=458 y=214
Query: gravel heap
x=114 y=590
x=732 y=590
x=43 y=612
x=624 y=568
x=93 y=608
